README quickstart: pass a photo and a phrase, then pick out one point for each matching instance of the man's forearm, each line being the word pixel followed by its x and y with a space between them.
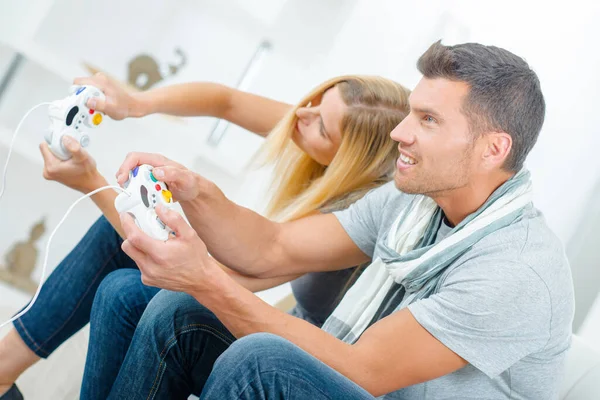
pixel 236 236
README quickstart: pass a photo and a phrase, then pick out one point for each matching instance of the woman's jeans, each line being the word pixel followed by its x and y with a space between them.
pixel 151 344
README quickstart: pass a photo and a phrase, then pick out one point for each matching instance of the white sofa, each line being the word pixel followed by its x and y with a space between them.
pixel 582 378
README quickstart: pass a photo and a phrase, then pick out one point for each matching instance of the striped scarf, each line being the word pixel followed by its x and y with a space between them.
pixel 409 255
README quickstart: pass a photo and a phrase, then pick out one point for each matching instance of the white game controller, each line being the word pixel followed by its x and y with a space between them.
pixel 71 116
pixel 144 193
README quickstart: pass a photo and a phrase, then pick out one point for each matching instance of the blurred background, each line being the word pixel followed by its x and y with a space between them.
pixel 280 49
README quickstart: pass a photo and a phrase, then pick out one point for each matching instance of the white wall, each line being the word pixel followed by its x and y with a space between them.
pixel 559 41
pixel 386 37
pixel 313 41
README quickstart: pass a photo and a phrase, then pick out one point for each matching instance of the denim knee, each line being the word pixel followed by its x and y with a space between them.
pixel 104 235
pixel 170 314
pixel 255 349
pixel 116 295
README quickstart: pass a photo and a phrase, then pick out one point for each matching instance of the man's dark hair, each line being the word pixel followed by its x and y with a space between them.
pixel 504 96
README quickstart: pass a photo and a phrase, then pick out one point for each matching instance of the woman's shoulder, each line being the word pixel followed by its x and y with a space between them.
pixel 382 190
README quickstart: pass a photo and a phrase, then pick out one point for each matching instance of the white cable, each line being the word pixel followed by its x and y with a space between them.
pixel 12 142
pixel 48 248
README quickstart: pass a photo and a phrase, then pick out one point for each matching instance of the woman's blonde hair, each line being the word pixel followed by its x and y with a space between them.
pixel 365 159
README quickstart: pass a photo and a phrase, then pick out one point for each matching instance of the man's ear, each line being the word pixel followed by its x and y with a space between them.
pixel 497 148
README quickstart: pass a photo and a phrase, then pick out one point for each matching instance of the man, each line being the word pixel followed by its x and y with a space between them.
pixel 469 294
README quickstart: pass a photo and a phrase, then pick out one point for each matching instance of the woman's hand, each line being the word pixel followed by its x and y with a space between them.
pixel 181 264
pixel 183 183
pixel 79 172
pixel 119 104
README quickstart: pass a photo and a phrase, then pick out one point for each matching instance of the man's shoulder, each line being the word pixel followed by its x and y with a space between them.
pixel 529 241
pixel 524 254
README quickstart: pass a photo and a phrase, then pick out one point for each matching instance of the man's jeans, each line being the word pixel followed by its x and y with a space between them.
pixel 265 366
pixel 180 347
pixel 152 344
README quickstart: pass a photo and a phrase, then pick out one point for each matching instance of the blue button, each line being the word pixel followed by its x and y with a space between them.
pixel 81 89
pixel 135 171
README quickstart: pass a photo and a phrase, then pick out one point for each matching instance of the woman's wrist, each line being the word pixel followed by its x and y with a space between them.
pixel 95 182
pixel 141 105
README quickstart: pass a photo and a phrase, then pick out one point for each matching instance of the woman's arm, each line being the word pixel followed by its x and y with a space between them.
pixel 105 200
pixel 252 112
pixel 80 173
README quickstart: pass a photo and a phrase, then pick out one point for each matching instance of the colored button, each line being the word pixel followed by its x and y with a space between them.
pixel 97 119
pixel 92 111
pixel 135 171
pixel 167 196
pixel 157 187
pixel 153 178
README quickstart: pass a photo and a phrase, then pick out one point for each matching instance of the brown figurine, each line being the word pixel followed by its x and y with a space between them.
pixel 144 71
pixel 21 261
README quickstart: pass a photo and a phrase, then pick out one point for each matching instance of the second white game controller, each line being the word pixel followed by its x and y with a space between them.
pixel 71 116
pixel 144 193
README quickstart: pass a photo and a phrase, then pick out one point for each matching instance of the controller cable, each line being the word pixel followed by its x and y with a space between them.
pixel 45 265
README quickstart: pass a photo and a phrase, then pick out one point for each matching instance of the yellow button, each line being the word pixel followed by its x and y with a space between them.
pixel 97 119
pixel 167 196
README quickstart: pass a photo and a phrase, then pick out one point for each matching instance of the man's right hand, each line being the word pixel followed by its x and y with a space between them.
pixel 119 104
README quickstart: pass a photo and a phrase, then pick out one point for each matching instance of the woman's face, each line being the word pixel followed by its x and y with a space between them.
pixel 317 131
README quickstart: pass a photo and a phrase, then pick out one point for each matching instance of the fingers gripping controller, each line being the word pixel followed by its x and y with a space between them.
pixel 144 193
pixel 72 117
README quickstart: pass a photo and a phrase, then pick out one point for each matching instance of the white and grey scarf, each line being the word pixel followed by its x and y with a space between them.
pixel 409 256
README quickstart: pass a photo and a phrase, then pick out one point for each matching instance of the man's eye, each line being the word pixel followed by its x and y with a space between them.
pixel 429 119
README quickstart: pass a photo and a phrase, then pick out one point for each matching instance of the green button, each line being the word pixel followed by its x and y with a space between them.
pixel 153 178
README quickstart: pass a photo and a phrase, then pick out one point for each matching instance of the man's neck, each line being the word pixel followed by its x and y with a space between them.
pixel 458 204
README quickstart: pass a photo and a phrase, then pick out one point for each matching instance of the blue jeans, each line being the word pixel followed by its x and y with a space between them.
pixel 179 347
pixel 266 366
pixel 65 301
pixel 64 305
pixel 151 344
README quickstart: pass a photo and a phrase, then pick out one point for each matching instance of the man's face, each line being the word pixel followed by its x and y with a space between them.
pixel 436 148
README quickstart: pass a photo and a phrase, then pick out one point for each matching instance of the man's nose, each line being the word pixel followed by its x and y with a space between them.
pixel 403 133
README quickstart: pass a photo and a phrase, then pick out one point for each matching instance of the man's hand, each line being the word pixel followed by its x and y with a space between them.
pixel 181 264
pixel 183 183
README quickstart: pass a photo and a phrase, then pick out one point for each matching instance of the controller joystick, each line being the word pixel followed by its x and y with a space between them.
pixel 72 117
pixel 144 193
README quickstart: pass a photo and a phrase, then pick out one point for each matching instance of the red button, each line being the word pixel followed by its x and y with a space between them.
pixel 91 111
pixel 157 187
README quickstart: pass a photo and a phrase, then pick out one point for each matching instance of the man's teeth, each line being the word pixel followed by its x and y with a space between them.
pixel 407 160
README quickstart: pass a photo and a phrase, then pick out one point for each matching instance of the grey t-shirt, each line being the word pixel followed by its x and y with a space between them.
pixel 505 306
pixel 317 294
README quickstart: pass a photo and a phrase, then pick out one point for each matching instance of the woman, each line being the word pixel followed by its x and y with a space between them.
pixel 339 149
